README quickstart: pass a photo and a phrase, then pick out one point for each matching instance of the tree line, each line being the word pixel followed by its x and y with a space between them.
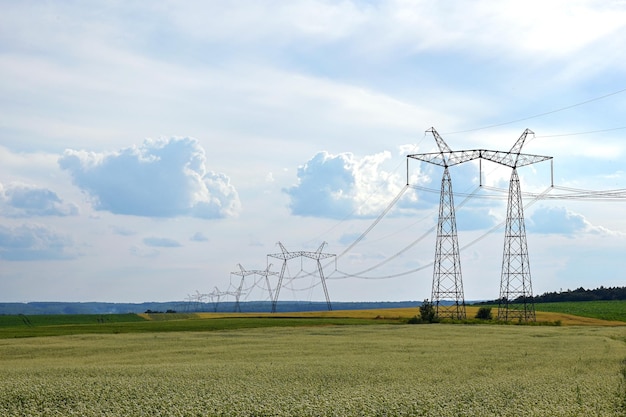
pixel 581 294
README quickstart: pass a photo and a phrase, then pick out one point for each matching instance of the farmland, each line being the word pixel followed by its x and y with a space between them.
pixel 605 310
pixel 334 368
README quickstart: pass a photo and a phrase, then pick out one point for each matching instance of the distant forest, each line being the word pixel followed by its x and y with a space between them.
pixel 581 294
pixel 35 308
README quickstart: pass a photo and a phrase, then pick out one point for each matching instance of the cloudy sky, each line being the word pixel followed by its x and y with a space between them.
pixel 148 148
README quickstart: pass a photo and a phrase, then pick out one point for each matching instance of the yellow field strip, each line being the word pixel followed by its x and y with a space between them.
pixel 406 313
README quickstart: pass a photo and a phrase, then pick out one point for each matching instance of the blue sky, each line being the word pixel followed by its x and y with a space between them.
pixel 149 148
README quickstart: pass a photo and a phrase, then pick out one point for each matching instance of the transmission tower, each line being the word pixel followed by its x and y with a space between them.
pixel 285 255
pixel 243 273
pixel 515 285
pixel 447 289
pixel 215 297
pixel 195 301
pixel 516 292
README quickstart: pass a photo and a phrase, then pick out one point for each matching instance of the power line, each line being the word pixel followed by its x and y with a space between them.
pixel 378 219
pixel 539 114
pixel 430 264
pixel 581 133
pixel 572 194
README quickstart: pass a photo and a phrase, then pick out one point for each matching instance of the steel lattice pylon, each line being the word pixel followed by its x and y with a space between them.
pixel 285 255
pixel 447 281
pixel 515 286
pixel 516 292
pixel 243 274
pixel 447 290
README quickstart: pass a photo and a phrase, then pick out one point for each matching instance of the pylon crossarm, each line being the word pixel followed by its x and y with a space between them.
pixel 315 255
pixel 447 159
pixel 432 158
pixel 284 256
pixel 512 159
pixel 262 273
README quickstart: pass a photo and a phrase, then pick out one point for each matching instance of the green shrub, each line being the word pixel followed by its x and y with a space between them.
pixel 427 312
pixel 484 313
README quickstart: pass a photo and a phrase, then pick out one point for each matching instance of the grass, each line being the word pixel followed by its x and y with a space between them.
pixel 165 323
pixel 605 310
pixel 385 370
pixel 60 325
pixel 67 319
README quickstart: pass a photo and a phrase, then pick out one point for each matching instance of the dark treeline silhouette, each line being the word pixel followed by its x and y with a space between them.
pixel 581 294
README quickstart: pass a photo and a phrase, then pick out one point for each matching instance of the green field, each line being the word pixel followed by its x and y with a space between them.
pixel 380 370
pixel 59 325
pixel 66 319
pixel 605 310
pixel 64 325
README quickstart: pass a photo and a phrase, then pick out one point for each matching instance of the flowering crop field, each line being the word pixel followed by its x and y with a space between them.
pixel 380 370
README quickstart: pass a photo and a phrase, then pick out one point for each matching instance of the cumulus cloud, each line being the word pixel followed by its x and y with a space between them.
pixel 160 178
pixel 19 200
pixel 558 220
pixel 33 242
pixel 337 186
pixel 475 218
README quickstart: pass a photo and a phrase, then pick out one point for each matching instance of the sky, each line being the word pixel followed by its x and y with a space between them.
pixel 150 149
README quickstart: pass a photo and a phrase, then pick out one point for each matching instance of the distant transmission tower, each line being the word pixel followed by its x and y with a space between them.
pixel 195 301
pixel 215 297
pixel 243 273
pixel 285 255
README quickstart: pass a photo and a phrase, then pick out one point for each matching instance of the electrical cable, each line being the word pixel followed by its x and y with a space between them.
pixel 579 133
pixel 493 229
pixel 378 219
pixel 539 114
pixel 348 216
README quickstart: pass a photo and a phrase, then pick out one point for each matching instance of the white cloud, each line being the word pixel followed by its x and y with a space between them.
pixel 560 220
pixel 33 242
pixel 339 186
pixel 266 85
pixel 164 178
pixel 20 200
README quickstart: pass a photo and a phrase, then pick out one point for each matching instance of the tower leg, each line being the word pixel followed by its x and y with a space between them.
pixel 238 294
pixel 321 272
pixel 280 282
pixel 516 293
pixel 447 290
